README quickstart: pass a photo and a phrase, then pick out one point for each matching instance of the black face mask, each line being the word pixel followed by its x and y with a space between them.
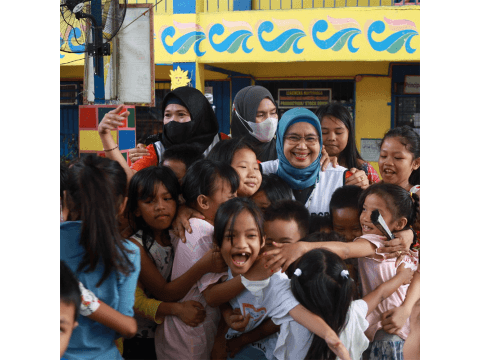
pixel 178 133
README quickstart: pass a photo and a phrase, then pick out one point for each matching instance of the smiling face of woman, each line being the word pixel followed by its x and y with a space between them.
pixel 301 144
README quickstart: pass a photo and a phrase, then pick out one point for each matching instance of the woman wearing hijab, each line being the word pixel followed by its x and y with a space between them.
pixel 298 145
pixel 188 119
pixel 255 118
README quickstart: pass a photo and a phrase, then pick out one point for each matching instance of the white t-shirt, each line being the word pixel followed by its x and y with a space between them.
pixel 327 182
pixel 294 340
pixel 276 302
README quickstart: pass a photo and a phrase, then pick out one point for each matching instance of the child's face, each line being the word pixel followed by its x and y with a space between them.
pixel 245 164
pixel 334 134
pixel 159 210
pixel 375 202
pixel 396 163
pixel 261 199
pixel 67 324
pixel 177 166
pixel 280 231
pixel 346 222
pixel 223 192
pixel 241 247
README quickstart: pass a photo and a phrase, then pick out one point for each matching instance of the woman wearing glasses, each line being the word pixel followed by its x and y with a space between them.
pixel 299 144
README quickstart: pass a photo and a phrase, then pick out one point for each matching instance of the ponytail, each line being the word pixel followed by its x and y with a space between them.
pixel 95 190
pixel 319 286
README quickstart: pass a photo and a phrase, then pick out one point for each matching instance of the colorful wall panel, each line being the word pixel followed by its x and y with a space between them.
pixel 88 139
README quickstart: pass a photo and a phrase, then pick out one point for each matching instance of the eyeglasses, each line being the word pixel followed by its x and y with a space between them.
pixel 309 139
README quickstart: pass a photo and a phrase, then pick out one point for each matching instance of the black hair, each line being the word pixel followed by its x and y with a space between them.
pixel 345 197
pixel 230 210
pixel 350 154
pixel 275 188
pixel 319 222
pixel 186 153
pixel 69 288
pixel 399 201
pixel 411 140
pixel 325 292
pixel 63 178
pixel 289 210
pixel 142 186
pixel 225 150
pixel 96 188
pixel 200 179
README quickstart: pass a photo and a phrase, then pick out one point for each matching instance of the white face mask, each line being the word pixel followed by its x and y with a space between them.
pixel 264 131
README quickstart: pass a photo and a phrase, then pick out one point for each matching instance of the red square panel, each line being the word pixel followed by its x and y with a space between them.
pixel 87 117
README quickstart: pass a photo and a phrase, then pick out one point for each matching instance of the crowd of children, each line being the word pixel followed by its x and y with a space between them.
pixel 206 252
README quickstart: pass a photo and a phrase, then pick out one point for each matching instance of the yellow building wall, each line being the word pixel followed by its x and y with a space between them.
pixel 372 114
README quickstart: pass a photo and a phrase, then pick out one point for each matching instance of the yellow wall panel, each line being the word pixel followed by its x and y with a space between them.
pixel 90 140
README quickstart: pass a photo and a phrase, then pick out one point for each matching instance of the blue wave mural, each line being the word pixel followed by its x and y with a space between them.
pixel 184 42
pixel 61 43
pixel 282 42
pixel 337 41
pixel 394 42
pixel 232 43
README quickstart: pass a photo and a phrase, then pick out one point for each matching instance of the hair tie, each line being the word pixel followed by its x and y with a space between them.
pixel 298 272
pixel 411 195
pixel 344 274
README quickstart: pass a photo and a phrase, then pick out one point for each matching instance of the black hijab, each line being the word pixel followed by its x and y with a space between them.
pixel 203 126
pixel 246 103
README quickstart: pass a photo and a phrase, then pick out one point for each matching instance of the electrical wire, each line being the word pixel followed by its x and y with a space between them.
pixel 71 61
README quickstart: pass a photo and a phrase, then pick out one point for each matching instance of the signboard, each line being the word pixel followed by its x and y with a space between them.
pixel 307 98
pixel 411 84
pixel 370 149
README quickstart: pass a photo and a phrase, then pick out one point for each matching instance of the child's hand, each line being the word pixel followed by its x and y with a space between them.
pixel 259 271
pixel 235 345
pixel 403 240
pixel 235 320
pixel 138 152
pixel 180 223
pixel 192 313
pixel 112 120
pixel 326 159
pixel 285 255
pixel 215 262
pixel 358 178
pixel 405 273
pixel 394 319
pixel 337 346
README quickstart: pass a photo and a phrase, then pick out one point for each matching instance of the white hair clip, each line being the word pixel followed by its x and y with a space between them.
pixel 298 272
pixel 344 274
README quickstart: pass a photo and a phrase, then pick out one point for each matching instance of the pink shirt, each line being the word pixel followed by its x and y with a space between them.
pixel 174 339
pixel 374 271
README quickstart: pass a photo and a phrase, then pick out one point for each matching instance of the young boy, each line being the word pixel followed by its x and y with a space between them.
pixel 180 157
pixel 286 222
pixel 70 300
pixel 320 223
pixel 345 212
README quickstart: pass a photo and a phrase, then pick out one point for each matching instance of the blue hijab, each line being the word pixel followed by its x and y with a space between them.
pixel 298 179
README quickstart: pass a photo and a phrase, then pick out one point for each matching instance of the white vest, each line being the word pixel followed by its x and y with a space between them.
pixel 327 182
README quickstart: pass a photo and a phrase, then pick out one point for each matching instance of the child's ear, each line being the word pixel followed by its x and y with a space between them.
pixel 400 223
pixel 416 163
pixel 203 202
pixel 262 243
pixel 122 206
pixel 75 324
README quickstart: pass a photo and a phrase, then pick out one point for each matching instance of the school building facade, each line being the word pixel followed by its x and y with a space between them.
pixel 364 54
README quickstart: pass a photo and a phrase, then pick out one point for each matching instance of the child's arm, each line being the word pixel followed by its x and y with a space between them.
pixel 318 326
pixel 111 121
pixel 122 324
pixel 190 312
pixel 266 328
pixel 222 292
pixel 394 319
pixel 403 277
pixel 403 240
pixel 286 254
pixel 181 224
pixel 175 290
pixel 219 350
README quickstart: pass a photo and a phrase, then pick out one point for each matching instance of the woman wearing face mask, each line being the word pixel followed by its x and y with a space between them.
pixel 255 118
pixel 188 119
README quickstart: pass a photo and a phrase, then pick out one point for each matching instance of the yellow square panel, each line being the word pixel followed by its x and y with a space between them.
pixel 90 140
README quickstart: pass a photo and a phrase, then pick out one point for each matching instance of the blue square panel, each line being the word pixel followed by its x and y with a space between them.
pixel 126 139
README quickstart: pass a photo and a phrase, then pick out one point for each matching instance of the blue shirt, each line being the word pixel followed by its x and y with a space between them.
pixel 90 339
